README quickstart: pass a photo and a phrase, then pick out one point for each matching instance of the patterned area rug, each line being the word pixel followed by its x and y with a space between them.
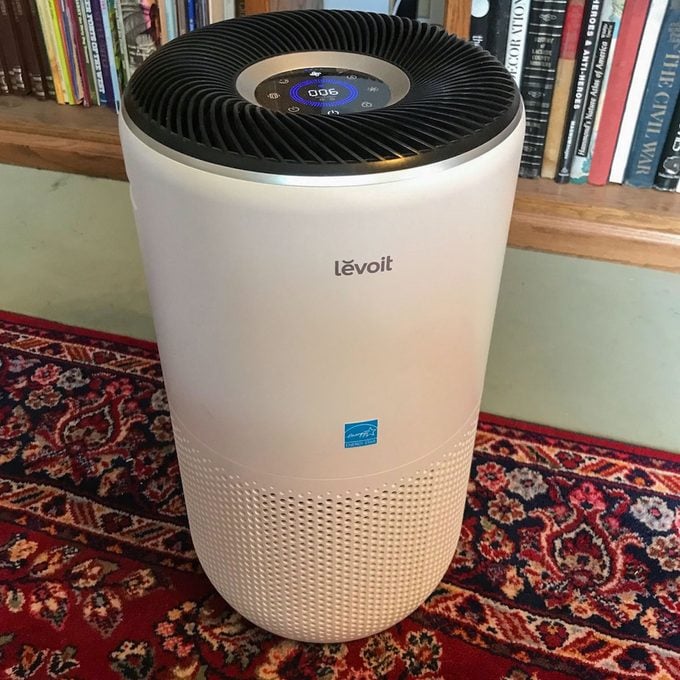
pixel 568 564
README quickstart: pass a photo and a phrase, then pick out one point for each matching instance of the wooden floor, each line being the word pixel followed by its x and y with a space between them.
pixel 615 223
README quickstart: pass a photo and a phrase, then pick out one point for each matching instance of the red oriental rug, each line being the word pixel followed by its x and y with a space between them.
pixel 568 564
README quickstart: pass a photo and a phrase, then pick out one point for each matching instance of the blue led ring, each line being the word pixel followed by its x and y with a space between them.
pixel 320 82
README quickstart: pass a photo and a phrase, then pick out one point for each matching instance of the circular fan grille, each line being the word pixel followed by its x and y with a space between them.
pixel 185 96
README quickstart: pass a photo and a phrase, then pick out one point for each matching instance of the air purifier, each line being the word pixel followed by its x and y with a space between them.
pixel 322 200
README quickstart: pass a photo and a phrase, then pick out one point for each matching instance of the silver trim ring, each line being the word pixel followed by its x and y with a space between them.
pixel 392 174
pixel 397 81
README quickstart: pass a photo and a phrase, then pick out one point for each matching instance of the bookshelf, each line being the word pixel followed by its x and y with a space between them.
pixel 613 223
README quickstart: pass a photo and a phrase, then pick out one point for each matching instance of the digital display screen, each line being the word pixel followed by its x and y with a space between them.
pixel 322 91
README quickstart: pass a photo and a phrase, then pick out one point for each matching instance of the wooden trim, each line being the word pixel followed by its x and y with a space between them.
pixel 457 17
pixel 256 6
pixel 615 223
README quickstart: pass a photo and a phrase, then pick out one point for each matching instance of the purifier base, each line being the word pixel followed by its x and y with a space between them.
pixel 322 565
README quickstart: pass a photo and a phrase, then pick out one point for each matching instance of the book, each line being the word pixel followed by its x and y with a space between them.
pixel 168 20
pixel 99 20
pixel 668 172
pixel 15 72
pixel 70 29
pixel 658 103
pixel 41 48
pixel 606 41
pixel 546 19
pixel 622 65
pixel 112 53
pixel 97 66
pixel 584 61
pixel 28 51
pixel 116 10
pixel 479 22
pixel 141 19
pixel 190 6
pixel 181 17
pixel 48 31
pixel 4 80
pixel 61 55
pixel 564 78
pixel 517 35
pixel 499 23
pixel 638 82
pixel 85 55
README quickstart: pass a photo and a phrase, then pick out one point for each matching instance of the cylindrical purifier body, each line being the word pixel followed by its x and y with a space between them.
pixel 324 339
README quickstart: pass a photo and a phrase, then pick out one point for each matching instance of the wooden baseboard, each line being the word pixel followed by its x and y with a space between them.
pixel 614 223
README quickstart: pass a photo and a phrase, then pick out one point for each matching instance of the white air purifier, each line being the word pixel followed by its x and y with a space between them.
pixel 323 199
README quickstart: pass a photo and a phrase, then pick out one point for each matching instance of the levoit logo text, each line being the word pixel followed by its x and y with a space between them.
pixel 352 268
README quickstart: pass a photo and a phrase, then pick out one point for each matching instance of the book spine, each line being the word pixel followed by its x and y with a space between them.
pixel 89 70
pixel 142 38
pixel 41 51
pixel 98 88
pixel 499 23
pixel 27 48
pixel 546 20
pixel 181 17
pixel 78 53
pixel 191 14
pixel 121 39
pixel 579 89
pixel 668 172
pixel 215 11
pixel 606 40
pixel 479 22
pixel 170 21
pixel 658 103
pixel 638 83
pixel 111 55
pixel 62 59
pixel 106 96
pixel 564 78
pixel 71 54
pixel 48 33
pixel 4 80
pixel 517 35
pixel 622 65
pixel 10 48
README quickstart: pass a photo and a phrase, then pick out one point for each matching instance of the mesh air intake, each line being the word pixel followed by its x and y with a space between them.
pixel 185 97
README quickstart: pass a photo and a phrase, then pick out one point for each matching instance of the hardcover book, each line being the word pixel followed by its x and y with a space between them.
pixel 517 35
pixel 15 72
pixel 499 23
pixel 141 19
pixel 564 77
pixel 638 83
pixel 661 94
pixel 28 50
pixel 622 64
pixel 41 48
pixel 546 20
pixel 479 22
pixel 668 171
pixel 585 58
pixel 606 42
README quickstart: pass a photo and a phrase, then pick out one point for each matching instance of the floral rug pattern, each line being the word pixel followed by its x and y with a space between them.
pixel 568 565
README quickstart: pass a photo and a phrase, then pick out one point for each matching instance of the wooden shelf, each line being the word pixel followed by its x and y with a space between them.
pixel 615 223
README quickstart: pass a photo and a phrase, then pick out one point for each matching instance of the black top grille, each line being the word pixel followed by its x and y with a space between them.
pixel 184 96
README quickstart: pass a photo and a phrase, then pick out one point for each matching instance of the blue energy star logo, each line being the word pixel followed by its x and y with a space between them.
pixel 361 434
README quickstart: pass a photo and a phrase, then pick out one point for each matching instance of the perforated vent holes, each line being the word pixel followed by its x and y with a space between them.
pixel 330 567
pixel 185 97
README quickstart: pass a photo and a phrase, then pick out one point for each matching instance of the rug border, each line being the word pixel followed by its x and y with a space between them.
pixel 46 324
pixel 577 437
pixel 504 421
